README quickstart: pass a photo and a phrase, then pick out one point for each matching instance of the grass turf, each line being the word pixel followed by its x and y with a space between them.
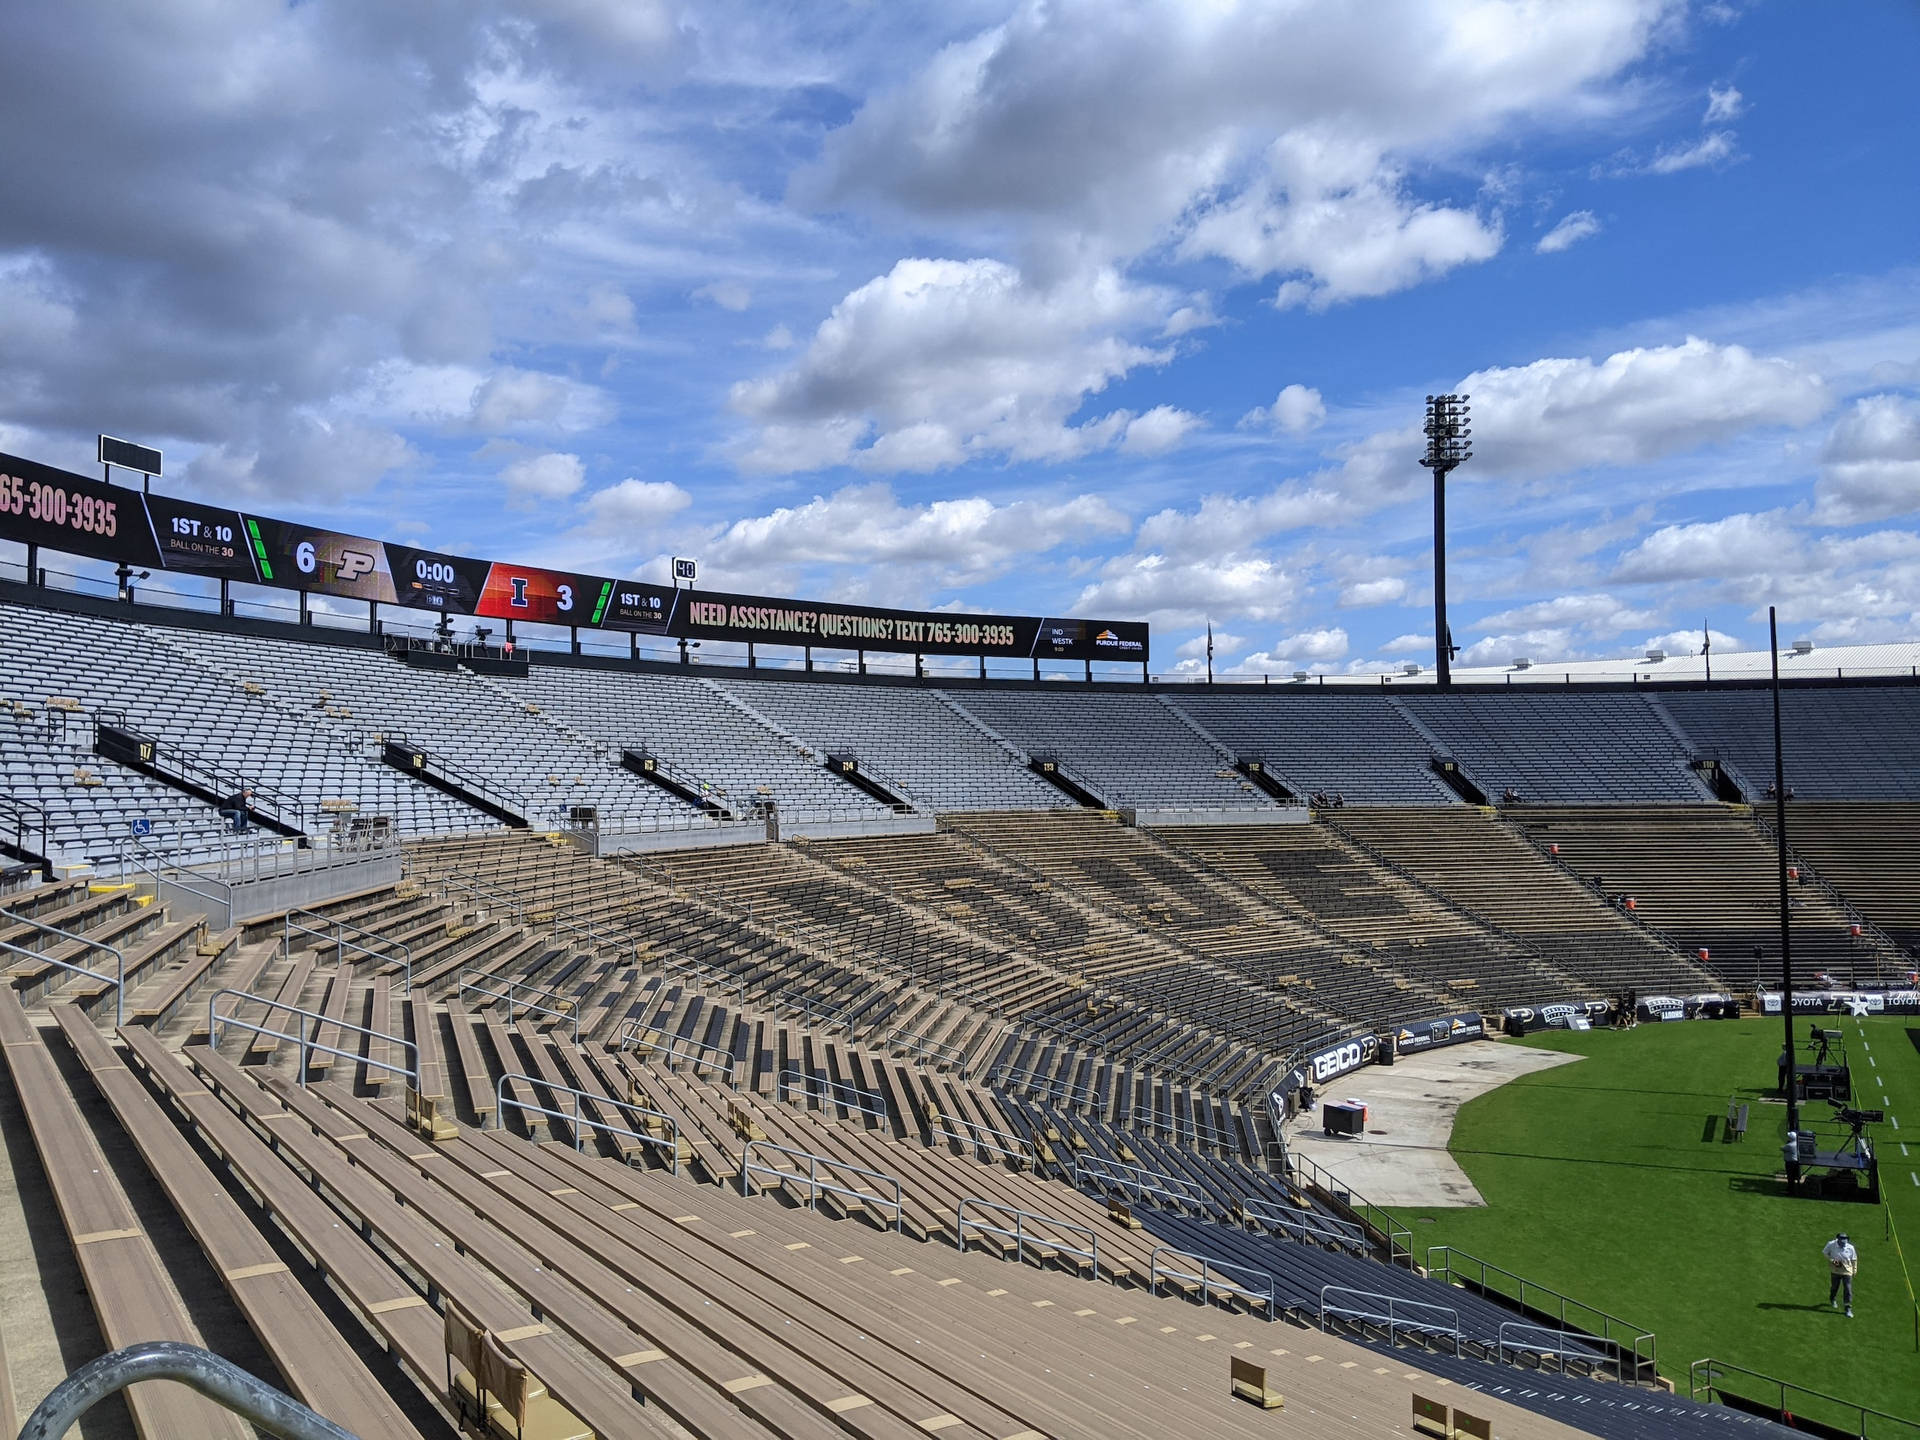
pixel 1610 1180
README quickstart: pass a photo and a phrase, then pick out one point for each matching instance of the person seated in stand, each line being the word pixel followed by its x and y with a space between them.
pixel 1339 800
pixel 1771 792
pixel 236 807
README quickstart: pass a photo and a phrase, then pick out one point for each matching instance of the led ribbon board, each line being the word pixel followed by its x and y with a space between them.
pixel 58 510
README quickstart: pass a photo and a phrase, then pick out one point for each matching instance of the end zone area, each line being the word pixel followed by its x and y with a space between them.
pixel 1614 1181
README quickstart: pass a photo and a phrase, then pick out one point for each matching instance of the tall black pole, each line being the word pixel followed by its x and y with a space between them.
pixel 1786 924
pixel 1442 641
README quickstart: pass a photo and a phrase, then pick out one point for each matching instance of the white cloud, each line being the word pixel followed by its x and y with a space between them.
pixel 635 505
pixel 1223 644
pixel 1383 590
pixel 1724 103
pixel 954 541
pixel 1745 544
pixel 955 358
pixel 1687 642
pixel 1580 225
pixel 727 294
pixel 1870 468
pixel 1558 415
pixel 1713 149
pixel 1100 133
pixel 778 338
pixel 1327 642
pixel 1295 410
pixel 1407 645
pixel 1338 224
pixel 1181 592
pixel 543 477
pixel 1600 615
pixel 1544 643
pixel 1159 430
pixel 511 399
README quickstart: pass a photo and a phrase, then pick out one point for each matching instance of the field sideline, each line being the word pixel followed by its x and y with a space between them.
pixel 1611 1180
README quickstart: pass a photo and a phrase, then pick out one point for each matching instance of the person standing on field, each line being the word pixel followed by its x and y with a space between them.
pixel 1843 1262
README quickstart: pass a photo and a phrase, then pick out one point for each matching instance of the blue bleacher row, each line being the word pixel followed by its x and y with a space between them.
pixel 305 715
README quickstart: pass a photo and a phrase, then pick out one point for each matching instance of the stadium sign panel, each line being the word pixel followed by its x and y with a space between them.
pixel 1431 1034
pixel 58 510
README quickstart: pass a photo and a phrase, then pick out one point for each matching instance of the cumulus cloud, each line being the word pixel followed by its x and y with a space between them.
pixel 635 505
pixel 1543 643
pixel 1401 645
pixel 1327 642
pixel 1295 410
pixel 1580 225
pixel 958 541
pixel 1870 468
pixel 1159 430
pixel 1337 224
pixel 1296 124
pixel 1172 591
pixel 939 361
pixel 1382 590
pixel 1598 614
pixel 1223 644
pixel 1558 415
pixel 1687 642
pixel 511 399
pixel 543 478
pixel 1735 545
pixel 1724 103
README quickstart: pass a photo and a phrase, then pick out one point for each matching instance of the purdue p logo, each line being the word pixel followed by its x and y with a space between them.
pixel 354 564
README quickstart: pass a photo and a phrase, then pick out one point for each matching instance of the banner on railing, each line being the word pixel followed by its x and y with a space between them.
pixel 1846 1002
pixel 1431 1034
pixel 58 510
pixel 1559 1015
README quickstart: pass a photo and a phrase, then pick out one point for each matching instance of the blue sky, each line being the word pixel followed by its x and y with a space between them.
pixel 1124 310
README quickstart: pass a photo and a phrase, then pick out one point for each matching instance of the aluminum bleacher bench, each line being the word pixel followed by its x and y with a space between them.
pixel 132 1297
pixel 320 1368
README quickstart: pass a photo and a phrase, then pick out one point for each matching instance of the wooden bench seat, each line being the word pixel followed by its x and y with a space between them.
pixel 132 1297
pixel 320 1369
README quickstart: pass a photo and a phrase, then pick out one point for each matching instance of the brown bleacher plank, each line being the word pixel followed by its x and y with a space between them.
pixel 473 1067
pixel 320 1369
pixel 132 1297
pixel 591 1390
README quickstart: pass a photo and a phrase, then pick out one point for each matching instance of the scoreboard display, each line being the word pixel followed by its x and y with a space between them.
pixel 202 539
pixel 58 510
pixel 428 580
pixel 322 561
pixel 550 597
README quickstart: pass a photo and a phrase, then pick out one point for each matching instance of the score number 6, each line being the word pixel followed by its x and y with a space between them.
pixel 304 557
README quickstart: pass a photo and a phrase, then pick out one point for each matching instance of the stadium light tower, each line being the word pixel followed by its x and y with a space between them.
pixel 1448 446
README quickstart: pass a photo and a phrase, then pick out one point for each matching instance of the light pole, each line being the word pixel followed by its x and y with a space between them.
pixel 1447 447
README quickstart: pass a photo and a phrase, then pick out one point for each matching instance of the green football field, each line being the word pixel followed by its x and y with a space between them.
pixel 1610 1179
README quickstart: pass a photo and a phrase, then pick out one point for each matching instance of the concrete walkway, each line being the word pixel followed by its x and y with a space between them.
pixel 1402 1160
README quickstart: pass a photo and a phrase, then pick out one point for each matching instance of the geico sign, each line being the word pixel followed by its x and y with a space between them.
pixel 1342 1058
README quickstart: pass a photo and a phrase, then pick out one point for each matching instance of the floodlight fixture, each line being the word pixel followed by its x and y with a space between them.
pixel 1449 445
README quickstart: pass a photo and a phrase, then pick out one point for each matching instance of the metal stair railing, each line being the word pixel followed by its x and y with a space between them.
pixel 1208 1281
pixel 305 1038
pixel 1706 1380
pixel 816 1185
pixel 337 930
pixel 1399 1316
pixel 1021 1236
pixel 220 1380
pixel 582 1122
pixel 118 980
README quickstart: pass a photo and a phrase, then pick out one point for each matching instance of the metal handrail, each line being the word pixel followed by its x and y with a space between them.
pixel 676 1048
pixel 832 1092
pixel 156 864
pixel 1395 1237
pixel 118 981
pixel 1205 1280
pixel 511 903
pixel 1705 1375
pixel 1563 1344
pixel 305 1039
pixel 817 1186
pixel 475 987
pixel 341 944
pixel 1138 1181
pixel 502 1100
pixel 1034 1083
pixel 1391 1316
pixel 23 818
pixel 1204 1131
pixel 1289 1219
pixel 982 1137
pixel 1021 1239
pixel 920 1045
pixel 220 1380
pixel 1443 1264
